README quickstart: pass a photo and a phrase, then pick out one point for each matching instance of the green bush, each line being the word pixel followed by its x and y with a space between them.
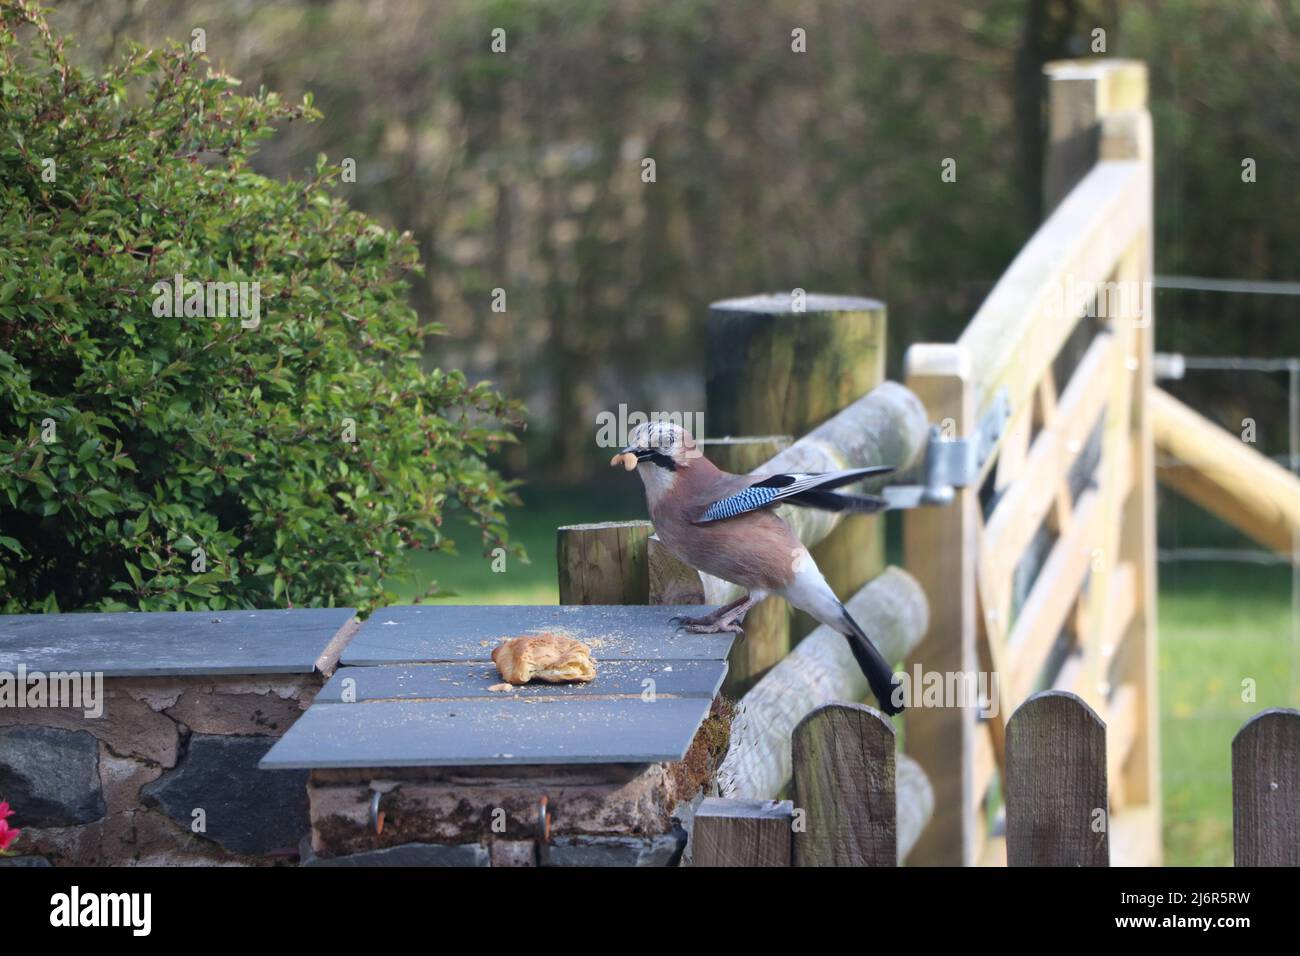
pixel 205 461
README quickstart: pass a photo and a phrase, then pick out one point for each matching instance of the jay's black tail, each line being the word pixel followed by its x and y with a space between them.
pixel 884 683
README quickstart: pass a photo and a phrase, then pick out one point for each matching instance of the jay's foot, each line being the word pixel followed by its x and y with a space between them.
pixel 687 621
pixel 725 620
pixel 700 626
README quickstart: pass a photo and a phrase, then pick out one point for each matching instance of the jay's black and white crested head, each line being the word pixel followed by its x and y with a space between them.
pixel 661 452
pixel 660 444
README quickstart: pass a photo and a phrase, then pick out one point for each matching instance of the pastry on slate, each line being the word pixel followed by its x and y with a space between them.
pixel 546 657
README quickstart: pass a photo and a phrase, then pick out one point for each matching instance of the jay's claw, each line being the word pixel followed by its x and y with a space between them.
pixel 713 627
pixel 687 621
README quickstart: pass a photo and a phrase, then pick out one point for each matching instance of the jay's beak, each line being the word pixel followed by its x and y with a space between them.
pixel 630 457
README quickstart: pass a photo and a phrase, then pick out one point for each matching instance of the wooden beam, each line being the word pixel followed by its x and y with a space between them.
pixel 603 563
pixel 742 455
pixel 1223 474
pixel 1051 598
pixel 940 547
pixel 742 833
pixel 1021 510
pixel 782 364
pixel 1123 726
pixel 1021 326
pixel 1081 93
pixel 1123 603
pixel 986 762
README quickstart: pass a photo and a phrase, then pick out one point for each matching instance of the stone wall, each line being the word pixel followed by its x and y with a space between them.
pixel 599 814
pixel 167 775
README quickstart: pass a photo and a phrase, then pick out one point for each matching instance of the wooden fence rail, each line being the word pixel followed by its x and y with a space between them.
pixel 1224 475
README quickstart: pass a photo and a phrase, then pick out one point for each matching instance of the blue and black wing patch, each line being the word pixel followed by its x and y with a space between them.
pixel 809 491
pixel 753 498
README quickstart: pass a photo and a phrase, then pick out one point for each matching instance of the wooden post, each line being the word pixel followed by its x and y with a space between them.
pixel 783 364
pixel 844 783
pixel 740 456
pixel 1080 93
pixel 603 563
pixel 742 833
pixel 671 581
pixel 1057 814
pixel 1098 112
pixel 939 546
pixel 1266 790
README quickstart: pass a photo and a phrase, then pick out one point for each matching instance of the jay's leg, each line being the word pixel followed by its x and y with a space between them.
pixel 728 618
pixel 711 618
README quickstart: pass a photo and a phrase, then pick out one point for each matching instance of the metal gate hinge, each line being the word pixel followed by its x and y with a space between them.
pixel 952 463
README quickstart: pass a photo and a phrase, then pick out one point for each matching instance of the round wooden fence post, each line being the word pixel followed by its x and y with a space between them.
pixel 781 365
pixel 603 563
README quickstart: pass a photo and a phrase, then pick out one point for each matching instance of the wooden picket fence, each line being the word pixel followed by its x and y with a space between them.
pixel 1057 789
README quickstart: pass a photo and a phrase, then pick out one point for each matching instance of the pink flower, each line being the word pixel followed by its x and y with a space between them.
pixel 7 836
pixel 4 810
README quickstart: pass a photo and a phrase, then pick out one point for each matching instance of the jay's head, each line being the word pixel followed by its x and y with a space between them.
pixel 658 450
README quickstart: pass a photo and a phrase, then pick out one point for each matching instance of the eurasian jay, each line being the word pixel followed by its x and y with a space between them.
pixel 725 525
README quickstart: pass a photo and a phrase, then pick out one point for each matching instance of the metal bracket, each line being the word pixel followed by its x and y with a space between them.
pixel 543 843
pixel 377 790
pixel 952 463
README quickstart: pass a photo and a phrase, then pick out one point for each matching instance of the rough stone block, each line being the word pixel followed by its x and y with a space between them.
pixel 128 726
pixel 51 776
pixel 208 711
pixel 247 810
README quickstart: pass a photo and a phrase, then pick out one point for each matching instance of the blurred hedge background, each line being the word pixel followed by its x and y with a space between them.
pixel 775 170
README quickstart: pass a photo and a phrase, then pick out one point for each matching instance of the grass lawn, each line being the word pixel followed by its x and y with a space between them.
pixel 470 575
pixel 1220 624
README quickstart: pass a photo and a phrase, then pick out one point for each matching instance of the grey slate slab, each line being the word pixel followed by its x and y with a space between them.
pixel 465 679
pixel 408 854
pixel 404 733
pixel 171 643
pixel 662 850
pixel 424 633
